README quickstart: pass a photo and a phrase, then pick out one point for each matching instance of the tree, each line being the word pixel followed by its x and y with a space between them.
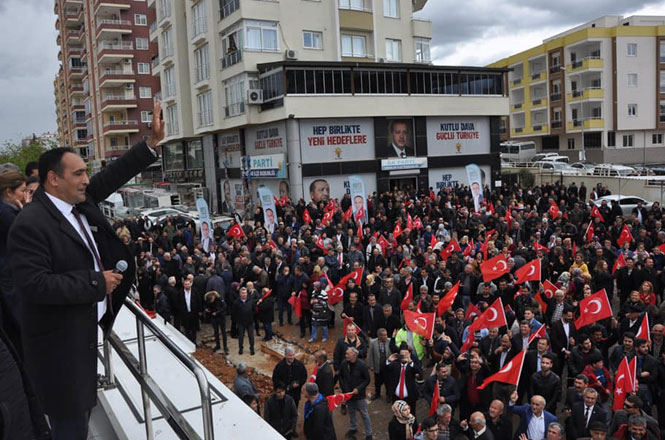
pixel 22 153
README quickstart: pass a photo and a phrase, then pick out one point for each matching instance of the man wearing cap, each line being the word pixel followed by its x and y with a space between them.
pixel 597 431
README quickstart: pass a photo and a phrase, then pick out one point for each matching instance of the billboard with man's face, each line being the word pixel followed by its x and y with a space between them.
pixel 324 188
pixel 399 142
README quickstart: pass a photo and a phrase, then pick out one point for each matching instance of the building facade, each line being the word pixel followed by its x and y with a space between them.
pixel 597 88
pixel 104 90
pixel 284 93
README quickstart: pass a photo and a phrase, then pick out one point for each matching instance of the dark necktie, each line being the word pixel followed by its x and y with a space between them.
pixel 93 249
pixel 586 416
pixel 402 154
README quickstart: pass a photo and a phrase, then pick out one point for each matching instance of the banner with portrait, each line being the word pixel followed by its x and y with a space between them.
pixel 204 223
pixel 399 142
pixel 269 211
pixel 475 176
pixel 323 188
pixel 358 198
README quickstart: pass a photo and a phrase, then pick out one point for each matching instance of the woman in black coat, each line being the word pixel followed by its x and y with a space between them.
pixel 403 424
pixel 603 279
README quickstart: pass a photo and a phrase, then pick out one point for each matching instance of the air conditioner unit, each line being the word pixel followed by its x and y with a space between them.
pixel 254 96
pixel 129 86
pixel 291 54
pixel 149 124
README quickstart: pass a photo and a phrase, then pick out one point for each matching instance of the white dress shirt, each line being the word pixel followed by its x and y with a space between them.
pixel 536 428
pixel 66 211
pixel 188 300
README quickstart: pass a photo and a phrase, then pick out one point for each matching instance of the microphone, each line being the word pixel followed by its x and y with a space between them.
pixel 120 266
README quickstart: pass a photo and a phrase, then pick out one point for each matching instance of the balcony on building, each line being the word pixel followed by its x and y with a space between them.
pixel 538 93
pixel 538 68
pixel 164 12
pixel 356 14
pixel 106 7
pixel 72 3
pixel 539 121
pixel 517 124
pixel 121 126
pixel 114 75
pixel 517 100
pixel 117 99
pixel 585 115
pixel 584 56
pixel 228 7
pixel 154 35
pixel 231 58
pixel 199 29
pixel 585 86
pixel 515 78
pixel 111 27
pixel 556 124
pixel 108 51
pixel 73 36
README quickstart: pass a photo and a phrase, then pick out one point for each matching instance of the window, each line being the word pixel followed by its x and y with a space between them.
pixel 312 40
pixel 143 68
pixel 199 23
pixel 555 61
pixel 202 64
pixel 393 50
pixel 145 92
pixel 142 44
pixel 353 46
pixel 422 50
pixel 662 51
pixel 167 43
pixel 611 139
pixel 261 35
pixel 657 138
pixel 174 156
pixel 231 47
pixel 169 82
pixel 205 109
pixel 632 49
pixel 194 155
pixel 140 20
pixel 662 82
pixel 628 140
pixel 632 109
pixel 352 4
pixel 164 9
pixel 632 80
pixel 172 120
pixel 556 115
pixel 571 143
pixel 145 116
pixel 661 113
pixel 234 92
pixel 391 8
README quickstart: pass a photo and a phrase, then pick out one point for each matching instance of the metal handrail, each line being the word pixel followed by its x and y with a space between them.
pixel 150 390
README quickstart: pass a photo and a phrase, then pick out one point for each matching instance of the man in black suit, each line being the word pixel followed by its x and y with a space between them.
pixel 63 252
pixel 190 309
pixel 400 377
pixel 399 140
pixel 371 314
pixel 584 413
pixel 325 378
pixel 563 336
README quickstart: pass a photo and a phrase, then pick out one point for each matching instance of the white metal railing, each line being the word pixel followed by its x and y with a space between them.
pixel 205 118
pixel 105 45
pixel 118 147
pixel 125 97
pixel 199 26
pixel 113 22
pixel 235 109
pixel 117 72
pixel 120 123
pixel 202 72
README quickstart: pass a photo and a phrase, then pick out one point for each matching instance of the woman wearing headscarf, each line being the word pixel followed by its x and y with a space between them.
pixel 402 426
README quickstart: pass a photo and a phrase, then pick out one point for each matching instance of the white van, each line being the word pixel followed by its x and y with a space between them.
pixel 518 151
pixel 613 170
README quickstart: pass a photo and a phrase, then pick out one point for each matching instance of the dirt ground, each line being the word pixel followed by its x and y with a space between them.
pixel 263 363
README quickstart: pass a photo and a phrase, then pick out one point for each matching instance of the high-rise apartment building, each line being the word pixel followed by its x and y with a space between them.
pixel 597 88
pixel 104 90
pixel 296 94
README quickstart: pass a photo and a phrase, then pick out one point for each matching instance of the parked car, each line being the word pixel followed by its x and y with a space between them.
pixel 542 156
pixel 627 203
pixel 609 170
pixel 556 167
pixel 584 167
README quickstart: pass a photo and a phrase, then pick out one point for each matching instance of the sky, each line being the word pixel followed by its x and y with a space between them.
pixel 465 32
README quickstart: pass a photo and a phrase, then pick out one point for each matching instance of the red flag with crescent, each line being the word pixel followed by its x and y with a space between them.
pixel 319 243
pixel 409 222
pixel 510 373
pixel 619 263
pixel 468 248
pixel 236 231
pixel 434 404
pixel 360 214
pixel 625 236
pixel 595 213
pixel 549 289
pixel 590 231
pixel 554 210
pixel 593 308
pixel 360 231
pixel 383 243
pixel 447 301
pixel 420 323
pixel 330 206
pixel 398 230
pixel 493 316
pixel 471 310
pixel 624 384
pixel 418 223
pixel 306 217
pixel 297 306
pixel 529 272
pixel 644 331
pixel 433 241
pixel 407 298
pixel 327 217
pixel 336 400
pixel 494 268
pixel 468 342
pixel 543 304
pixel 348 214
pixel 540 333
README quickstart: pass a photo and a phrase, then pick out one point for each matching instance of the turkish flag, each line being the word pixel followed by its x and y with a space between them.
pixel 420 323
pixel 409 222
pixel 619 263
pixel 383 243
pixel 554 210
pixel 644 331
pixel 435 400
pixel 623 384
pixel 595 213
pixel 348 214
pixel 315 371
pixel 360 231
pixel 494 268
pixel 589 232
pixel 483 248
pixel 632 367
pixel 625 236
pixel 433 241
pixel 453 246
pixel 593 308
pixel 360 214
pixel 510 373
pixel 319 243
pixel 509 217
pixel 327 217
pixel 431 194
pixel 471 310
pixel 661 248
pixel 540 333
pixel 408 297
pixel 541 301
pixel 336 294
pixel 418 223
pixel 468 248
pixel 336 400
pixel 447 301
pixel 539 247
pixel 468 342
pixel 574 249
pixel 418 306
pixel 306 217
pixel 398 230
pixel 493 316
pixel 490 208
pixel 330 206
pixel 549 289
pixel 297 306
pixel 236 231
pixel 529 272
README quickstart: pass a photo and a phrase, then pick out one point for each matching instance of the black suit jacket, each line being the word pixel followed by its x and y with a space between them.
pixel 189 319
pixel 55 275
pixel 392 373
pixel 558 336
pixel 577 425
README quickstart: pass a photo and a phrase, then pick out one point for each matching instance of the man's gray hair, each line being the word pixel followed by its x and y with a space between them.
pixel 312 389
pixel 636 420
pixel 289 350
pixel 480 420
pixel 590 391
pixel 558 426
pixel 353 350
pixel 444 409
pixel 241 368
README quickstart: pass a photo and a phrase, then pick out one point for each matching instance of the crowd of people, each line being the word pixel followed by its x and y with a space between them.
pixel 318 270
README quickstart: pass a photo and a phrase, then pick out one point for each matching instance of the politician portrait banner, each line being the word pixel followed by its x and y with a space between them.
pixel 358 198
pixel 204 223
pixel 269 212
pixel 475 176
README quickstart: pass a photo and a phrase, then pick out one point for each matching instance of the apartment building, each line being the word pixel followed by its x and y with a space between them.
pixel 597 88
pixel 284 92
pixel 104 89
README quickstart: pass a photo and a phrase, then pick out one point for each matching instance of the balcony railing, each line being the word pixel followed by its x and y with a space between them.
pixel 536 76
pixel 105 45
pixel 557 124
pixel 125 97
pixel 228 7
pixel 117 72
pixel 111 22
pixel 155 62
pixel 555 96
pixel 517 81
pixel 120 123
pixel 234 109
pixel 205 118
pixel 117 147
pixel 231 58
pixel 199 26
pixel 555 69
pixel 153 27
